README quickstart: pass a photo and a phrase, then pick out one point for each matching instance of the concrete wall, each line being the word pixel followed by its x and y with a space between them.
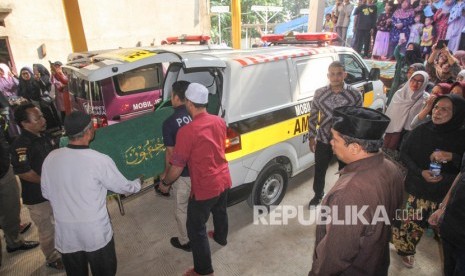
pixel 107 24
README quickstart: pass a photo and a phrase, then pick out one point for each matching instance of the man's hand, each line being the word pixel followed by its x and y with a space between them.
pixel 435 218
pixel 429 177
pixel 312 144
pixel 441 156
pixel 163 188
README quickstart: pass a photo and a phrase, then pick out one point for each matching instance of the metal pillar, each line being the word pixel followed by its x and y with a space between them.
pixel 236 23
pixel 75 28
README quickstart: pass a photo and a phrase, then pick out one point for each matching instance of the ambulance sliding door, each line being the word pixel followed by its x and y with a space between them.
pixel 311 75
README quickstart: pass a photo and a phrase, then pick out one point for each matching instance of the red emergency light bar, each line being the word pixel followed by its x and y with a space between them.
pixel 300 38
pixel 316 36
pixel 187 38
pixel 272 37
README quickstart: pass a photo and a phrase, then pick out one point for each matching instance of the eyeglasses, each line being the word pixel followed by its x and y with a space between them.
pixel 419 81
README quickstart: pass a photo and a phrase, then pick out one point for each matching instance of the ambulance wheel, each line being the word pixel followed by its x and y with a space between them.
pixel 270 186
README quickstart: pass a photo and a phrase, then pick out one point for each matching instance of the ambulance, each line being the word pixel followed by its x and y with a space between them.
pixel 264 96
pixel 128 94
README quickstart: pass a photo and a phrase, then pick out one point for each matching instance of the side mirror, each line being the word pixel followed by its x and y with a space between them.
pixel 374 74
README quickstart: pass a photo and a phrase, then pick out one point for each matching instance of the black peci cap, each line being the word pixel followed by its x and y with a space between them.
pixel 76 122
pixel 360 122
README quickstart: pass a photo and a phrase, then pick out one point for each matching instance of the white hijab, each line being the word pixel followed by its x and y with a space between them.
pixel 406 104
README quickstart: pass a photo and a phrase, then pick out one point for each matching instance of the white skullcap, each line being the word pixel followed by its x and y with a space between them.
pixel 197 93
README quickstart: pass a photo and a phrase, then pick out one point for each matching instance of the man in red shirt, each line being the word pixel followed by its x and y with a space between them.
pixel 201 146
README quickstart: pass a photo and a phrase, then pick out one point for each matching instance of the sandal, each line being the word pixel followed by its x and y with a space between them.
pixel 58 264
pixel 408 261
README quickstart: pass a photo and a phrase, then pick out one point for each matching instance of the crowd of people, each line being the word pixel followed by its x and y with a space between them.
pixel 424 124
pixel 381 26
pixel 38 85
pixel 65 189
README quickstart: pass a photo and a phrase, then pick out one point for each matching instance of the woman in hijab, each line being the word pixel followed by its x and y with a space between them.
pixel 440 140
pixel 441 20
pixel 29 87
pixel 33 88
pixel 414 68
pixel 402 19
pixel 405 105
pixel 442 66
pixel 9 89
pixel 42 75
pixel 404 58
pixel 425 113
pixel 8 82
pixel 458 88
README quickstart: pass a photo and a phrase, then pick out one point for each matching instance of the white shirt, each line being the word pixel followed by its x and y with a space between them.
pixel 75 181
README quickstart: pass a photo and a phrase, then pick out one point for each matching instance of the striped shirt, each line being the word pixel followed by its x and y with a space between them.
pixel 323 104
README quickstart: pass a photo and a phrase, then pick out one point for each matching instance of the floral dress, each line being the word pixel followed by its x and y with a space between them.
pixel 406 22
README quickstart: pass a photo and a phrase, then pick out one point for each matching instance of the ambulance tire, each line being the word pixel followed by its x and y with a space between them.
pixel 270 186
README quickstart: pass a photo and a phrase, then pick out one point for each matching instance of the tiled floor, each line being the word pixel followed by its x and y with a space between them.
pixel 143 248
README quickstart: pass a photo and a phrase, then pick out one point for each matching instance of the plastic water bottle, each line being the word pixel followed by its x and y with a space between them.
pixel 435 167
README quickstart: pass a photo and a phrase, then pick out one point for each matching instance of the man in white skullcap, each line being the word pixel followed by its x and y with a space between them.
pixel 201 146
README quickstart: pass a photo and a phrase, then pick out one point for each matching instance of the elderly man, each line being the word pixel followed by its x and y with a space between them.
pixel 369 189
pixel 201 145
pixel 76 179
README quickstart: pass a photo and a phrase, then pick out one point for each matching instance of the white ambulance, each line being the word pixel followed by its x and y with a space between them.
pixel 264 96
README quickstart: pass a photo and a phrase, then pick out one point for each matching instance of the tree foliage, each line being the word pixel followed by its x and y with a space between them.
pixel 291 9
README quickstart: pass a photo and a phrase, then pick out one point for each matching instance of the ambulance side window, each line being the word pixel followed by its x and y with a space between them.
pixel 142 79
pixel 263 87
pixel 354 69
pixel 312 75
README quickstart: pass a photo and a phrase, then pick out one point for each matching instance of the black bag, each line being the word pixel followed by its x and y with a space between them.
pixel 45 99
